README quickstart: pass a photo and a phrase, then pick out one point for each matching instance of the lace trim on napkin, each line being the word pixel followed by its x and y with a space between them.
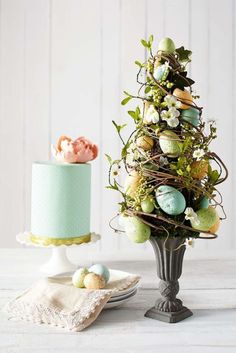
pixel 39 313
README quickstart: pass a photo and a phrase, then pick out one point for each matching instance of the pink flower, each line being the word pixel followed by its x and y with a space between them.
pixel 79 151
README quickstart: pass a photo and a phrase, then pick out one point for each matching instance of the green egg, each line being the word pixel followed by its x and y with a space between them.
pixel 191 116
pixel 166 45
pixel 147 205
pixel 136 230
pixel 170 200
pixel 207 217
pixel 170 143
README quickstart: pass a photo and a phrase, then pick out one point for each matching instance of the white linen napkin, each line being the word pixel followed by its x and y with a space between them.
pixel 55 301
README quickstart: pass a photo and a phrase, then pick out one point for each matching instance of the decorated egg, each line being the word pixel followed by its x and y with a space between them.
pixel 199 169
pixel 147 205
pixel 145 142
pixel 136 230
pixel 170 200
pixel 204 202
pixel 206 219
pixel 78 277
pixel 161 72
pixel 215 227
pixel 184 97
pixel 166 45
pixel 94 281
pixel 170 143
pixel 191 116
pixel 132 182
pixel 101 270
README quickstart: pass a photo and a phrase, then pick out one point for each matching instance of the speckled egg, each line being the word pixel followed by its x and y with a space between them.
pixel 161 72
pixel 170 143
pixel 136 230
pixel 166 45
pixel 191 116
pixel 170 200
pixel 132 182
pixel 101 270
pixel 78 277
pixel 184 97
pixel 94 281
pixel 204 202
pixel 199 169
pixel 145 142
pixel 207 218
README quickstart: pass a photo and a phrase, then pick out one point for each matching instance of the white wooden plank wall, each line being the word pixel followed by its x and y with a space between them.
pixel 63 67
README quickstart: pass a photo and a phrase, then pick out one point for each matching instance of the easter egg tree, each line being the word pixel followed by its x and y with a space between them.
pixel 170 194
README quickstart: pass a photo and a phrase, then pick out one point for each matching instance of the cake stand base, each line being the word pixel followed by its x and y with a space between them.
pixel 58 263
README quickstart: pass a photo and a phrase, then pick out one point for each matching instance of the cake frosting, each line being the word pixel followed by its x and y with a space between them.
pixel 60 197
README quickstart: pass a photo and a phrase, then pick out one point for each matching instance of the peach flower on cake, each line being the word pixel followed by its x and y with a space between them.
pixel 80 150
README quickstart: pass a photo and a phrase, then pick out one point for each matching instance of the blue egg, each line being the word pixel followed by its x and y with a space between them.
pixel 161 72
pixel 170 200
pixel 204 202
pixel 100 270
pixel 191 116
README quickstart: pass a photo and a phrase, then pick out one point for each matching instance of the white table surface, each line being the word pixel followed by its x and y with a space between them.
pixel 208 288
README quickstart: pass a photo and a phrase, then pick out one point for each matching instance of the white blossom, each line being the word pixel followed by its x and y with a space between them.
pixel 171 116
pixel 163 161
pixel 198 154
pixel 191 215
pixel 115 170
pixel 152 116
pixel 172 101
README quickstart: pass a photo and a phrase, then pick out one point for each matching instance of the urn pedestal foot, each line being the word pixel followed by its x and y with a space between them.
pixel 169 257
pixel 169 317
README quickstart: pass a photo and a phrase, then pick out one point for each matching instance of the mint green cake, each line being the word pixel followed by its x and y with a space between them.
pixel 60 207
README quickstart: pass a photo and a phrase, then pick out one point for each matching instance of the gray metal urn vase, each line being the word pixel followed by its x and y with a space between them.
pixel 169 257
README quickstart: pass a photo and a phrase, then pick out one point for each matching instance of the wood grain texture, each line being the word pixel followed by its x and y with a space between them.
pixel 207 287
pixel 64 66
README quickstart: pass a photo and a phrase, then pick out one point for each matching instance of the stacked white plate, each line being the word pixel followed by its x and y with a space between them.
pixel 122 296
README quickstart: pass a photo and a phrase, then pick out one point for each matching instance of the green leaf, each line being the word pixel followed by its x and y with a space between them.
pixel 184 54
pixel 151 39
pixel 145 43
pixel 132 114
pixel 118 127
pixel 125 100
pixel 147 89
pixel 214 176
pixel 109 159
pixel 124 150
pixel 138 63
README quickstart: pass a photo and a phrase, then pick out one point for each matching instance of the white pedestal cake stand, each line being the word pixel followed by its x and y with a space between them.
pixel 59 262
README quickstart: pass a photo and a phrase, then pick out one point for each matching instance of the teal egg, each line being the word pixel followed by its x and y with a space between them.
pixel 100 270
pixel 204 202
pixel 161 73
pixel 191 116
pixel 170 200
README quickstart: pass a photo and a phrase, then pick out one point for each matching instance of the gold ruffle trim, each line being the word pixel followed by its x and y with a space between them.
pixel 60 241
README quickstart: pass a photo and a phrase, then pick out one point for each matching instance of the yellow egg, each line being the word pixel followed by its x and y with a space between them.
pixel 132 182
pixel 94 281
pixel 199 169
pixel 145 142
pixel 184 97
